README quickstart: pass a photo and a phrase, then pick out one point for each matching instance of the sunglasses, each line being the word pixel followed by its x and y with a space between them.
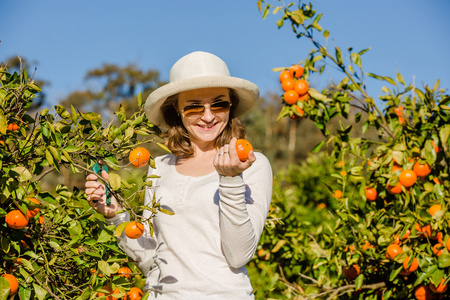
pixel 197 110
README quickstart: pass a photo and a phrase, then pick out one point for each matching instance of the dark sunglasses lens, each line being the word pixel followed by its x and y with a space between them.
pixel 222 106
pixel 193 110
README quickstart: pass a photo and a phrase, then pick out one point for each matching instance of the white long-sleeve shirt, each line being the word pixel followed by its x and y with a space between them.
pixel 200 251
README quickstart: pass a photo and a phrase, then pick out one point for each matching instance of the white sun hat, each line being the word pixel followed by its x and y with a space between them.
pixel 195 71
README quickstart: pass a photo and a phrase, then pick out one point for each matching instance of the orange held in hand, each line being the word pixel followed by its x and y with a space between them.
pixel 134 230
pixel 16 219
pixel 13 283
pixel 139 157
pixel 243 149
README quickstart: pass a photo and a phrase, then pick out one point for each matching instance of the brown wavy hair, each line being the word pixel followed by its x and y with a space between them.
pixel 177 137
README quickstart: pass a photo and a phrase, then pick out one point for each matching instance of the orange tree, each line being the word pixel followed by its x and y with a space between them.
pixel 383 223
pixel 52 242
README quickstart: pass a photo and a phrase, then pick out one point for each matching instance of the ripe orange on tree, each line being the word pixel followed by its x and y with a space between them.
pixel 134 294
pixel 396 167
pixel 423 292
pixel 285 75
pixel 243 148
pixel 134 230
pixel 394 189
pixel 300 111
pixel 338 194
pixel 296 71
pixel 437 249
pixel 351 272
pixel 407 178
pixel 398 110
pixel 436 148
pixel 139 157
pixel 16 219
pixel 301 86
pixel 393 250
pixel 414 265
pixel 13 126
pixel 421 170
pixel 371 193
pixel 434 208
pixel 290 97
pixel 447 244
pixel 304 97
pixel 124 272
pixel 288 84
pixel 13 283
pixel 441 288
pixel 31 213
pixel 109 293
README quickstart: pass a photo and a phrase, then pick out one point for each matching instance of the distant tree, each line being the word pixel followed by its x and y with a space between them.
pixel 118 85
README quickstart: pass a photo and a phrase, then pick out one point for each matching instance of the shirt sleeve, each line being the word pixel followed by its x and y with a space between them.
pixel 244 205
pixel 142 249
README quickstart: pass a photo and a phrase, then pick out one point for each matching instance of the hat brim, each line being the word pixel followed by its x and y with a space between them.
pixel 247 91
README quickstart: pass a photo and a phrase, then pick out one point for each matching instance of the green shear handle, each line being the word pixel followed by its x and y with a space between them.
pixel 97 168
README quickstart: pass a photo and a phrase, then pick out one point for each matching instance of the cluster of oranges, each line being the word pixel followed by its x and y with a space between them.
pixel 406 178
pixel 18 220
pixel 295 88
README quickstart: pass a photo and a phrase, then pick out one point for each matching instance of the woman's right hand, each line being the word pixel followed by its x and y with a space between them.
pixel 96 190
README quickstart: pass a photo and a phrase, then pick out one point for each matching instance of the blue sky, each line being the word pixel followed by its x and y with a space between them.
pixel 68 38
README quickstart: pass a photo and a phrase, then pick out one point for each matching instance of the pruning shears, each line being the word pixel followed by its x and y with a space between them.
pixel 97 168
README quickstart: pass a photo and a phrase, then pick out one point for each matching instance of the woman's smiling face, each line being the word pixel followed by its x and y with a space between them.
pixel 204 128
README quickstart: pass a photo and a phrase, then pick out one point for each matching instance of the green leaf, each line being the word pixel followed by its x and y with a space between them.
pixel 326 33
pixel 40 292
pixel 62 112
pixel 74 114
pixel 4 288
pixel 104 237
pixel 278 246
pixel 3 123
pixel 120 228
pixel 24 174
pixel 114 180
pixel 104 267
pixel 164 147
pixel 318 147
pixel 339 56
pixel 265 12
pixel 359 281
pixel 444 261
pixel 85 295
pixel 316 95
pixel 166 211
pixel 49 157
pixel 139 99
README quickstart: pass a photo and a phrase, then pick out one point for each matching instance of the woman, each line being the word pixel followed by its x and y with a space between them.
pixel 220 203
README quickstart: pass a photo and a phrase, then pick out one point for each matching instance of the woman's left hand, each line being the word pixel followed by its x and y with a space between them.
pixel 227 162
